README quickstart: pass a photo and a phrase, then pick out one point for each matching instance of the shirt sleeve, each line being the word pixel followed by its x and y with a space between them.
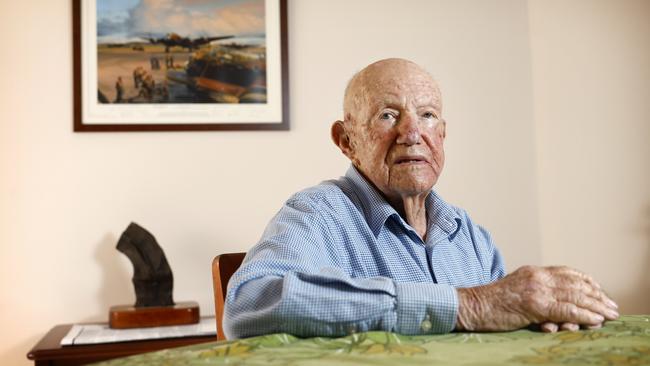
pixel 485 249
pixel 292 282
pixel 493 256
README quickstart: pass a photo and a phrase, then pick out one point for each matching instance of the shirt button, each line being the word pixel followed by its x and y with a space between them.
pixel 426 326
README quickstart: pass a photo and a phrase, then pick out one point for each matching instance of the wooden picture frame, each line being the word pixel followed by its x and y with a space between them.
pixel 237 81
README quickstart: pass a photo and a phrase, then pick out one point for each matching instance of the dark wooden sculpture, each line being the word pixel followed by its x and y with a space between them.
pixel 152 276
pixel 153 282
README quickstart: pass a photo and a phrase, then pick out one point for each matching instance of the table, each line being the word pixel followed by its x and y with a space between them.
pixel 48 351
pixel 622 342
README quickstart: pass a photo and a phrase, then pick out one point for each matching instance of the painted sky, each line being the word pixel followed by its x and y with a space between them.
pixel 126 20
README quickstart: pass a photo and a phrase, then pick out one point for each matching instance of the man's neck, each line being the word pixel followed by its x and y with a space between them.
pixel 414 210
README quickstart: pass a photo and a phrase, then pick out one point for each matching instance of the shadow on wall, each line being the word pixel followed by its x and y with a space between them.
pixel 17 354
pixel 115 287
pixel 645 278
pixel 638 302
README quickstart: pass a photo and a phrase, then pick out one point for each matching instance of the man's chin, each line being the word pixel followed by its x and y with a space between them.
pixel 413 187
pixel 413 176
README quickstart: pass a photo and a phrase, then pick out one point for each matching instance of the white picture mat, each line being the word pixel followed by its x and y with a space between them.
pixel 93 112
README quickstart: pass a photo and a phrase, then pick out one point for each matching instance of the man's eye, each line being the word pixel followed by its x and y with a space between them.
pixel 387 116
pixel 428 115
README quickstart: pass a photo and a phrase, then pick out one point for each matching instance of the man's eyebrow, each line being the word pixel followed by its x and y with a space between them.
pixel 428 102
pixel 430 106
pixel 389 104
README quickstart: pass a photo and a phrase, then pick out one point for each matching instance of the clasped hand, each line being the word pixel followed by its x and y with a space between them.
pixel 553 297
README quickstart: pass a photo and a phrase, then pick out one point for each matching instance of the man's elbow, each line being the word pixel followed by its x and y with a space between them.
pixel 249 323
pixel 252 309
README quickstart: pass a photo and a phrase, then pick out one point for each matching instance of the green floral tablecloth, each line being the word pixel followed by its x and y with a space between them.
pixel 622 342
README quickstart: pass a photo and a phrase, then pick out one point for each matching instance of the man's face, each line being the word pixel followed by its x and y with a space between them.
pixel 395 129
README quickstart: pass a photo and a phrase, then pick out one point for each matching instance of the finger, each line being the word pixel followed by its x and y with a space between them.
pixel 549 327
pixel 587 302
pixel 608 300
pixel 597 292
pixel 601 296
pixel 594 288
pixel 571 327
pixel 577 289
pixel 585 277
pixel 565 278
pixel 567 312
pixel 571 273
pixel 593 326
pixel 568 278
pixel 574 272
pixel 603 304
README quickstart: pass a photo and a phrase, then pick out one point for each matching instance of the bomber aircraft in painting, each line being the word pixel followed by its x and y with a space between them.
pixel 174 40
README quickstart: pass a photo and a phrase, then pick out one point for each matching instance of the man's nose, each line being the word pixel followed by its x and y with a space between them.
pixel 408 130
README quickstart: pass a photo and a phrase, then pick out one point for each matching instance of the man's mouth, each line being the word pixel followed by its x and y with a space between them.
pixel 410 159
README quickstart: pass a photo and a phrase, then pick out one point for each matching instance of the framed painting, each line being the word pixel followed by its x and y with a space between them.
pixel 180 65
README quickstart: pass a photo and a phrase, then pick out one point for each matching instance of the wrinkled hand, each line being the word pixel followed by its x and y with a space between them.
pixel 554 297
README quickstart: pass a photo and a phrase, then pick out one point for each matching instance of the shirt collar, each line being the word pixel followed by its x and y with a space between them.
pixel 374 206
pixel 442 219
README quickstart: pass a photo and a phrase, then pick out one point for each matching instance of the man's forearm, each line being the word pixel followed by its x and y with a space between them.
pixel 309 305
pixel 326 305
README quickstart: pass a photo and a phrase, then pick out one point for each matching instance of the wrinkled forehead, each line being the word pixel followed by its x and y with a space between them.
pixel 402 87
pixel 396 82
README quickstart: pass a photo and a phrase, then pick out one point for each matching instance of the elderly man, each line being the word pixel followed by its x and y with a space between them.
pixel 378 249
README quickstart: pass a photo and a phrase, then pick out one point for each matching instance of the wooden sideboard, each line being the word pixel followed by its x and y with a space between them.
pixel 48 351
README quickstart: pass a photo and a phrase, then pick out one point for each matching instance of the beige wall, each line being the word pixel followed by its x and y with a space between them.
pixel 591 78
pixel 66 197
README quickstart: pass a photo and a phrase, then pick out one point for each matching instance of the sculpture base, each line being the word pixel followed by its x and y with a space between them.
pixel 128 316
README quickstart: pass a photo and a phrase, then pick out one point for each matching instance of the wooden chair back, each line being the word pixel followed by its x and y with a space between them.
pixel 223 266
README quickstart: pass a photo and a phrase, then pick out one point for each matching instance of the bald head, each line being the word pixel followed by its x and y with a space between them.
pixel 392 71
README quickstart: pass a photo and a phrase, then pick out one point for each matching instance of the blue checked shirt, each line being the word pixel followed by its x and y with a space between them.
pixel 338 259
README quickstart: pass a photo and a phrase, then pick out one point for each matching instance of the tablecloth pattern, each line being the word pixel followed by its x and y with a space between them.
pixel 622 342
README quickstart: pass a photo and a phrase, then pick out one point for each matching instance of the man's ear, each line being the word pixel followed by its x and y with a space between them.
pixel 442 128
pixel 341 139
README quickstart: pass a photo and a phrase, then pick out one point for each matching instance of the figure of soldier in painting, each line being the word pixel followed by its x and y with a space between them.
pixel 119 90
